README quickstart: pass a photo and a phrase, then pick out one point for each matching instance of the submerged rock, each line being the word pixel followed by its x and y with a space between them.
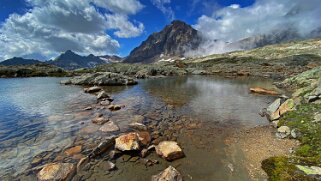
pixel 260 90
pixel 73 150
pixel 169 150
pixel 100 120
pixel 272 111
pixel 100 78
pixel 103 147
pixel 109 127
pixel 114 107
pixel 169 174
pixel 57 172
pixel 138 126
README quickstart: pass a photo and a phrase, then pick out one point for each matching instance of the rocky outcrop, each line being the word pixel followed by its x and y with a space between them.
pixel 169 150
pixel 57 172
pixel 169 174
pixel 173 40
pixel 100 78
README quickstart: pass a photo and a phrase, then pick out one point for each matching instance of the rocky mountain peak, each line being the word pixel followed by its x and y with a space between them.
pixel 172 41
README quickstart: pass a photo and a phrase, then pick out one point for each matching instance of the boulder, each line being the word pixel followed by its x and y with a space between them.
pixel 132 141
pixel 109 127
pixel 273 110
pixel 57 172
pixel 288 105
pixel 283 132
pixel 102 95
pixel 92 89
pixel 260 90
pixel 169 174
pixel 169 150
pixel 100 78
pixel 127 142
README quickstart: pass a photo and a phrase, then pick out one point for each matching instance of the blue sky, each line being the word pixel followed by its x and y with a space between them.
pixel 43 29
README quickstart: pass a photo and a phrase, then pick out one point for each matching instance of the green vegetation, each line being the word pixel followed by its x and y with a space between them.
pixel 37 70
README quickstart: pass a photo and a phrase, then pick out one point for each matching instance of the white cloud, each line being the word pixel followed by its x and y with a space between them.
pixel 51 27
pixel 265 17
pixel 165 8
pixel 125 28
pixel 233 23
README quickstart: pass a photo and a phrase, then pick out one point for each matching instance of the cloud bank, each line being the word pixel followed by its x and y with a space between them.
pixel 54 26
pixel 264 17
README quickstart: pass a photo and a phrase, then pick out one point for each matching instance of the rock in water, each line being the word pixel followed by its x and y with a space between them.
pixel 92 89
pixel 114 107
pixel 73 150
pixel 102 95
pixel 138 126
pixel 57 171
pixel 132 141
pixel 109 127
pixel 169 174
pixel 260 90
pixel 127 142
pixel 99 120
pixel 169 150
pixel 102 147
pixel 101 78
pixel 273 110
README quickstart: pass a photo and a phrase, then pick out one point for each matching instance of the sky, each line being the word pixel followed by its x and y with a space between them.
pixel 43 29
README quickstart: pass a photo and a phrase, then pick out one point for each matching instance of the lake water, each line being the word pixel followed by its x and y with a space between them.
pixel 38 116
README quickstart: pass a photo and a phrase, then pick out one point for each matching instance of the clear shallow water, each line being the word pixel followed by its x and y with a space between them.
pixel 39 114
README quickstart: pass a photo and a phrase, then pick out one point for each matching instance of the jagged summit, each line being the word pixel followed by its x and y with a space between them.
pixel 173 40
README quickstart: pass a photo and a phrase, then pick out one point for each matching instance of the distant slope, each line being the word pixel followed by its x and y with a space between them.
pixel 173 40
pixel 70 61
pixel 19 61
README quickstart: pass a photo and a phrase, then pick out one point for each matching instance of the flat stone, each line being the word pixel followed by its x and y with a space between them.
pixel 169 150
pixel 313 170
pixel 73 150
pixel 92 89
pixel 88 108
pixel 109 127
pixel 288 105
pixel 260 90
pixel 274 106
pixel 169 174
pixel 56 171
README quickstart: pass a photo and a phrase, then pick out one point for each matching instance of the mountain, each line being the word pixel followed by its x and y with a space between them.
pixel 70 61
pixel 111 58
pixel 19 61
pixel 172 41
